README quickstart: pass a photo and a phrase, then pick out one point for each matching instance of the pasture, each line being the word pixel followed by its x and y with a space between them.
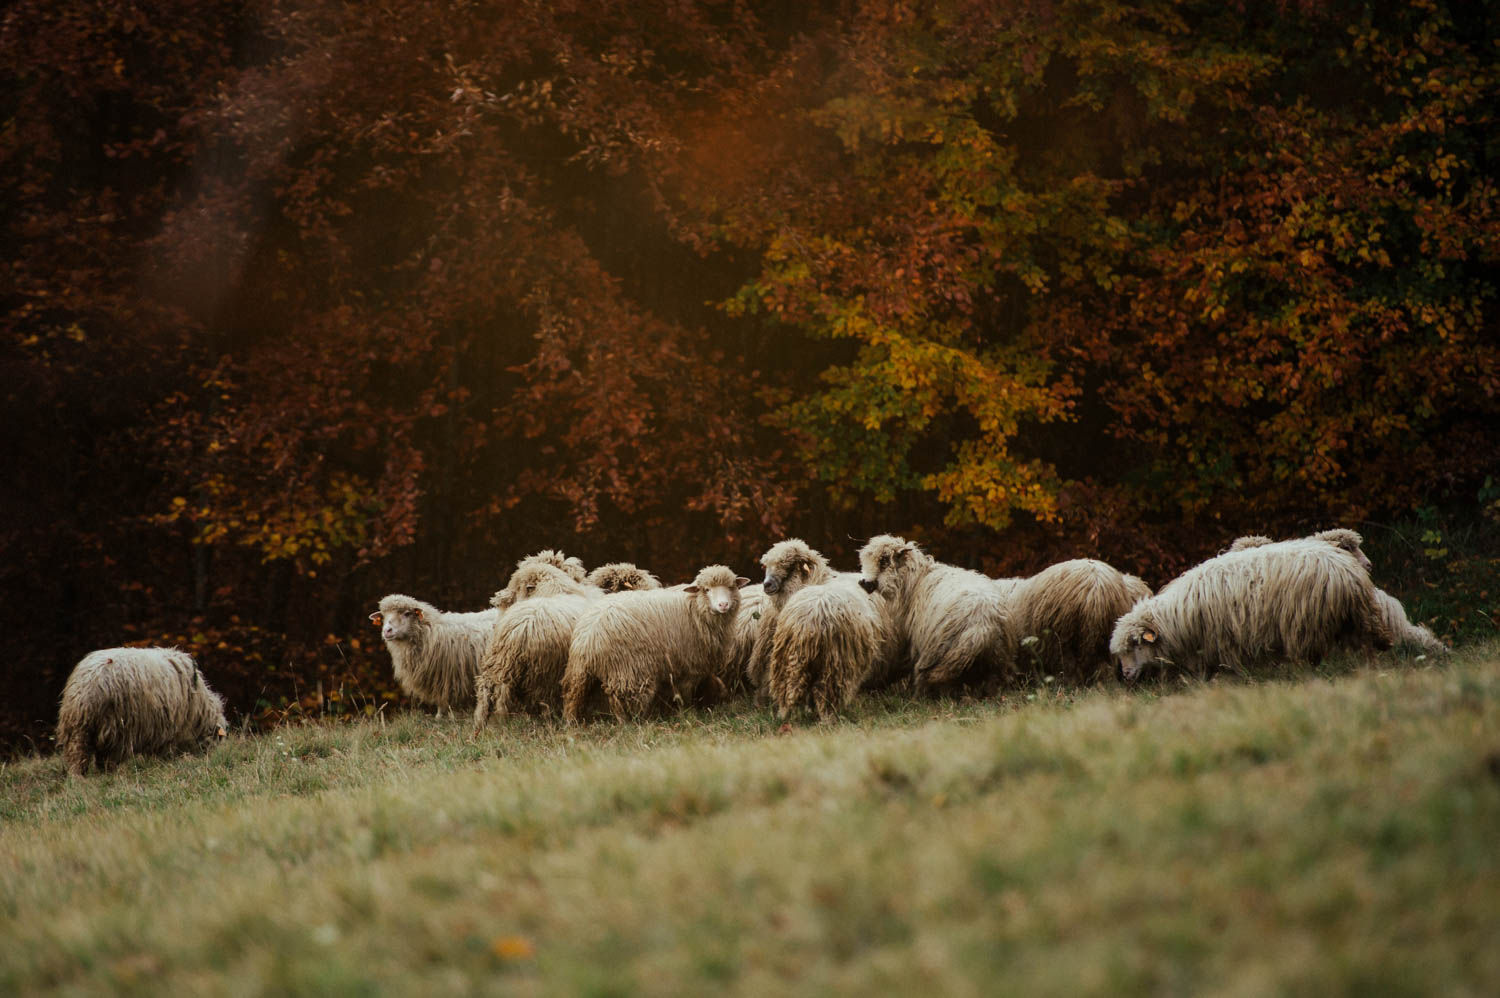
pixel 1327 833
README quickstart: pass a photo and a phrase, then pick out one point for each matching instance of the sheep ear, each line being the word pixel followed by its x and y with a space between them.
pixel 375 618
pixel 420 614
pixel 691 590
pixel 740 582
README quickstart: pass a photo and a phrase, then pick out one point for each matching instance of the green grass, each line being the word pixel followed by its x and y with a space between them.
pixel 1324 835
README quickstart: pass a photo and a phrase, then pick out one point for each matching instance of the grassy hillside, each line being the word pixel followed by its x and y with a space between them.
pixel 1329 835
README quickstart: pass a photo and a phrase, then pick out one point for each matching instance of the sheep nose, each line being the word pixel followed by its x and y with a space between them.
pixel 771 585
pixel 868 585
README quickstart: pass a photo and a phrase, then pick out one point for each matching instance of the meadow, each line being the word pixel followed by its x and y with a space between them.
pixel 1320 834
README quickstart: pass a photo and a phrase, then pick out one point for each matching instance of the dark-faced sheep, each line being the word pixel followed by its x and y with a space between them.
pixel 953 621
pixel 790 565
pixel 634 645
pixel 1293 600
pixel 1063 616
pixel 120 702
pixel 434 654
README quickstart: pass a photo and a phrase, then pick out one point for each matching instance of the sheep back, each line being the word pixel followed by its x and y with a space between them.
pixel 120 702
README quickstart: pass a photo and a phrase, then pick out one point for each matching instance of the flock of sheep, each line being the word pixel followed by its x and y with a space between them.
pixel 559 640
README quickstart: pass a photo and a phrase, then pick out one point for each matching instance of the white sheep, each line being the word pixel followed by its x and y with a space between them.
pixel 822 636
pixel 120 702
pixel 954 622
pixel 634 644
pixel 524 659
pixel 1063 616
pixel 434 654
pixel 790 565
pixel 1292 600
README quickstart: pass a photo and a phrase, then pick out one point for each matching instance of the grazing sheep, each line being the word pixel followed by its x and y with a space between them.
pixel 634 643
pixel 954 621
pixel 1063 616
pixel 1295 600
pixel 621 575
pixel 435 655
pixel 1402 630
pixel 1339 537
pixel 120 702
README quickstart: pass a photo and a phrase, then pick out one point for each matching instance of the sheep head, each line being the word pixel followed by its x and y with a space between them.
pixel 1347 540
pixel 401 618
pixel 789 565
pixel 533 579
pixel 718 588
pixel 1136 643
pixel 888 564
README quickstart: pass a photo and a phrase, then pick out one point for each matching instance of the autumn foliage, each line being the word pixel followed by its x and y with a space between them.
pixel 305 302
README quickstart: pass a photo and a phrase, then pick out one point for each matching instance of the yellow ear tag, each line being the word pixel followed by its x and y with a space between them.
pixel 1149 637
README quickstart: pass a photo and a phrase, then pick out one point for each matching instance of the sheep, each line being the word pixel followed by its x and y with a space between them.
pixel 1339 537
pixel 1402 630
pixel 434 654
pixel 954 621
pixel 1294 599
pixel 523 661
pixel 621 575
pixel 120 702
pixel 634 643
pixel 790 565
pixel 828 640
pixel 1063 616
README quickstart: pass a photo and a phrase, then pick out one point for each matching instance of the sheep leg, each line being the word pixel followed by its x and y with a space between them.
pixel 575 693
pixel 481 703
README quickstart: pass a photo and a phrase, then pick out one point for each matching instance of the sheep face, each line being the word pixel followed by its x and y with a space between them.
pixel 887 564
pixel 1135 645
pixel 718 589
pixel 788 566
pixel 218 727
pixel 401 623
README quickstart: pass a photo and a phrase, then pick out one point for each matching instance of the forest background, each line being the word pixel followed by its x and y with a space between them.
pixel 307 302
